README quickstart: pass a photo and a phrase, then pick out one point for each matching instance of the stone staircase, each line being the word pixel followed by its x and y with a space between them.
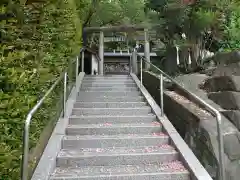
pixel 113 135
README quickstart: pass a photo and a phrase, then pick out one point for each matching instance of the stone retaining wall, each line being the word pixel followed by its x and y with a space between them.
pixel 198 128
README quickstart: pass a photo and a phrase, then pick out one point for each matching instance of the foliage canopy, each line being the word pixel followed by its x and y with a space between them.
pixel 217 20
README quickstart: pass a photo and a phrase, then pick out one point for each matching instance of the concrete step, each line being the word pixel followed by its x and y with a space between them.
pixel 107 81
pixel 116 156
pixel 109 104
pixel 120 140
pixel 110 93
pixel 109 75
pixel 112 82
pixel 113 129
pixel 109 88
pixel 111 99
pixel 108 85
pixel 111 111
pixel 106 77
pixel 174 170
pixel 112 119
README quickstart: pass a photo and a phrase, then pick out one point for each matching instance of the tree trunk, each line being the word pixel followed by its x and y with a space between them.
pixel 195 52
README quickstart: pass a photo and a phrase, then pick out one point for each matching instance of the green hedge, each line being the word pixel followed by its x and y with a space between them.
pixel 37 44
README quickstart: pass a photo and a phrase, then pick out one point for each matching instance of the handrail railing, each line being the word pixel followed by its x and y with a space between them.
pixel 209 108
pixel 63 76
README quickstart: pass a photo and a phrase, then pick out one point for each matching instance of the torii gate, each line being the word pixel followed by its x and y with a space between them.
pixel 124 28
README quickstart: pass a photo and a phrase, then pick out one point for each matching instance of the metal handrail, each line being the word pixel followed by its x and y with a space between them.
pixel 207 106
pixel 63 76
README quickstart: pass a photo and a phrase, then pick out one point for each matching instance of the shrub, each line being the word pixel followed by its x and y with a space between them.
pixel 38 40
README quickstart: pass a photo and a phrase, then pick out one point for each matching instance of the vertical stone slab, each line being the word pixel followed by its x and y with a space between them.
pixel 147 48
pixel 101 52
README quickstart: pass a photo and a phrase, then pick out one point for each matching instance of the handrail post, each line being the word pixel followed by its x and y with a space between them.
pixel 161 94
pixel 141 68
pixel 222 172
pixel 24 175
pixel 82 61
pixel 77 65
pixel 64 94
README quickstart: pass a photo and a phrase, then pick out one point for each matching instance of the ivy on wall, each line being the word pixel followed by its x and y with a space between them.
pixel 37 40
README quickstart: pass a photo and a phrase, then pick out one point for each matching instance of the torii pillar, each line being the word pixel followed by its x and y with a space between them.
pixel 147 49
pixel 134 63
pixel 101 53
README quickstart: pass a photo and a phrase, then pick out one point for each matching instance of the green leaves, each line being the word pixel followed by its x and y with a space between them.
pixel 32 54
pixel 118 12
pixel 202 21
pixel 232 33
pixel 196 19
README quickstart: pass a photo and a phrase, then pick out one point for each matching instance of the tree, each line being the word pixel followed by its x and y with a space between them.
pixel 118 12
pixel 200 20
pixel 231 40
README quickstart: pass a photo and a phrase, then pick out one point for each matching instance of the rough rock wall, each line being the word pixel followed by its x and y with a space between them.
pixel 225 91
pixel 223 63
pixel 199 129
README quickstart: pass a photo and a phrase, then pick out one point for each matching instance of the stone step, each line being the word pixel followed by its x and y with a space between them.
pixel 111 99
pixel 116 156
pixel 107 81
pixel 108 85
pixel 109 88
pixel 107 77
pixel 112 119
pixel 109 104
pixel 174 170
pixel 111 111
pixel 113 83
pixel 110 93
pixel 120 140
pixel 113 129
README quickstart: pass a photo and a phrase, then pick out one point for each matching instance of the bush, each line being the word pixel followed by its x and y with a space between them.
pixel 231 31
pixel 38 40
